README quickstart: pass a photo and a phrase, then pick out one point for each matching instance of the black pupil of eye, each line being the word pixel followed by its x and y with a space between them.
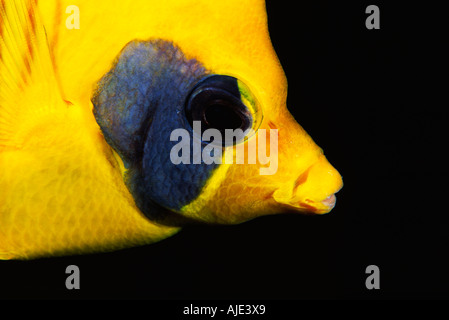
pixel 220 116
pixel 217 104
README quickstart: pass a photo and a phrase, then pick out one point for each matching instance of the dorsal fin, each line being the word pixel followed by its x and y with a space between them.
pixel 28 86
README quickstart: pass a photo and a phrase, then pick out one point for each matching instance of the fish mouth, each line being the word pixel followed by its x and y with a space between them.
pixel 313 191
pixel 307 205
pixel 319 207
pixel 322 206
pixel 330 201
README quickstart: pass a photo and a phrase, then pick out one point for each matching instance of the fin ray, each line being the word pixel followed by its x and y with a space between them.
pixel 28 85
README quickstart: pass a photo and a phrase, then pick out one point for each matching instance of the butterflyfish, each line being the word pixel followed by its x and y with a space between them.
pixel 114 122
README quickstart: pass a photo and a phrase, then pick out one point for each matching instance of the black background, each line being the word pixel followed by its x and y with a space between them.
pixel 371 100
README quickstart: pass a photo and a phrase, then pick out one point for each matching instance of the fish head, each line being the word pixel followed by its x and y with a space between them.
pixel 222 73
pixel 276 168
pixel 297 176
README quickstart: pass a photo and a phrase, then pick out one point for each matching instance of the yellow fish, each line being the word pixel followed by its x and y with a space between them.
pixel 91 94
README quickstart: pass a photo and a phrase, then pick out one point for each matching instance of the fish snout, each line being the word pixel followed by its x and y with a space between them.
pixel 313 190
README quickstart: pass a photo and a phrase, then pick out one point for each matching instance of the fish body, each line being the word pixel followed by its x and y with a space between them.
pixel 86 117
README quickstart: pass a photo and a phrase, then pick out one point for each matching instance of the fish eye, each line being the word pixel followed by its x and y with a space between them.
pixel 219 102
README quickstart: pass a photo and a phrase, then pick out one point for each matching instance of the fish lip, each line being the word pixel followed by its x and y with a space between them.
pixel 330 201
pixel 307 205
pixel 317 207
pixel 320 207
